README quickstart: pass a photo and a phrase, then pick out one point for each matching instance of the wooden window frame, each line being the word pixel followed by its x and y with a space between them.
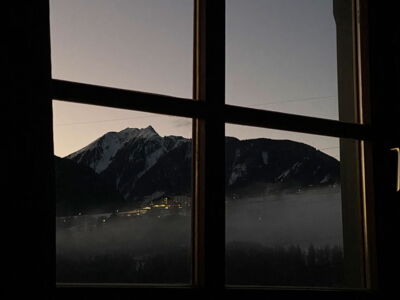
pixel 210 114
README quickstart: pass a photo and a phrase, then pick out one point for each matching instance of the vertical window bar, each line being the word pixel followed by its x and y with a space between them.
pixel 209 145
pixel 364 108
pixel 350 168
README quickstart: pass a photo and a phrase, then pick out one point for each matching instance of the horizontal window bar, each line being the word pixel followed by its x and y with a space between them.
pixel 197 293
pixel 125 99
pixel 283 121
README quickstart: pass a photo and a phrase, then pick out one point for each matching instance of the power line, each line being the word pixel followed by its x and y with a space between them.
pixel 292 100
pixel 106 120
pixel 334 147
pixel 145 117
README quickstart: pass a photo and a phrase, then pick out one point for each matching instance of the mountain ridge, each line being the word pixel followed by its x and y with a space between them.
pixel 139 163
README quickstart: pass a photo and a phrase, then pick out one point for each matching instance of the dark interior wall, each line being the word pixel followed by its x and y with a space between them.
pixel 28 127
pixel 383 70
pixel 29 209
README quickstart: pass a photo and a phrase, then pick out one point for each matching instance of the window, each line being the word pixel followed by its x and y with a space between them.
pixel 102 43
pixel 123 202
pixel 286 210
pixel 210 116
pixel 77 224
pixel 282 55
pixel 342 256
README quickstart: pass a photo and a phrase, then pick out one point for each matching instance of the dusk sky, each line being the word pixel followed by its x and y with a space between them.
pixel 280 55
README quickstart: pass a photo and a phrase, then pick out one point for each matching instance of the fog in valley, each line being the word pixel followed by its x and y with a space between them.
pixel 271 239
pixel 307 217
pixel 116 248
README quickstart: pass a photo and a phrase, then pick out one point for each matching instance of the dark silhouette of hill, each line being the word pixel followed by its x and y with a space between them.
pixel 126 168
pixel 80 190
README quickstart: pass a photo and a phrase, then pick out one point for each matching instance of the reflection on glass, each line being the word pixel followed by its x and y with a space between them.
pixel 143 45
pixel 292 56
pixel 283 209
pixel 123 200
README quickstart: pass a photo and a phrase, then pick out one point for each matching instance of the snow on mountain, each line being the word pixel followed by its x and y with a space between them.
pixel 139 162
pixel 103 149
pixel 132 133
pixel 285 164
pixel 238 171
pixel 99 154
pixel 326 178
pixel 293 169
pixel 124 157
pixel 265 157
pixel 151 159
pixel 283 175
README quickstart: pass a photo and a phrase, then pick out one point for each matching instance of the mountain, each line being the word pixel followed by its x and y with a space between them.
pixel 139 162
pixel 141 165
pixel 80 190
pixel 265 165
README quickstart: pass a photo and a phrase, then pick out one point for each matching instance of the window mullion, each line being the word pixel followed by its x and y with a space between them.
pixel 162 104
pixel 209 145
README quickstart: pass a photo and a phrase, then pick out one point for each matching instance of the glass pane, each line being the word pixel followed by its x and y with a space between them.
pixel 144 45
pixel 123 196
pixel 290 219
pixel 292 56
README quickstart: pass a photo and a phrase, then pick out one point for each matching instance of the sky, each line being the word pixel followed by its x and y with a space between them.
pixel 280 55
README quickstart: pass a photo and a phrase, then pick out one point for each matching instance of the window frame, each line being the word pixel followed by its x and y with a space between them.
pixel 210 114
pixel 208 111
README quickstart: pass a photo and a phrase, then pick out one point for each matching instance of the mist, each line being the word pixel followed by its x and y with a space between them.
pixel 279 238
pixel 308 217
pixel 286 239
pixel 145 249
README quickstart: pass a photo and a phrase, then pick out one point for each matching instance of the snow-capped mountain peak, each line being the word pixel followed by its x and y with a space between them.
pixel 135 159
pixel 144 133
pixel 99 154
